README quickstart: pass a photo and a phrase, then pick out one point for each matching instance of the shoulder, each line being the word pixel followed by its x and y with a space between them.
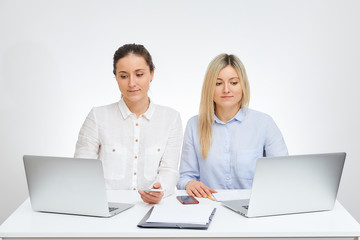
pixel 165 112
pixel 257 118
pixel 254 114
pixel 105 108
pixel 193 122
pixel 165 109
pixel 191 127
pixel 108 106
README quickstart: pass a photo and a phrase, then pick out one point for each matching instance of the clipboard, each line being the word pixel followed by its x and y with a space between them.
pixel 144 224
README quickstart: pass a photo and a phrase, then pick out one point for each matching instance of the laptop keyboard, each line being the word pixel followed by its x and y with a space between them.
pixel 112 209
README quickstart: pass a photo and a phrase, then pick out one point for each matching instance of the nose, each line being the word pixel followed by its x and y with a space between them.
pixel 132 82
pixel 226 88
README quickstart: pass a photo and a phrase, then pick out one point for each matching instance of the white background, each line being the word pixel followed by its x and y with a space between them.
pixel 302 60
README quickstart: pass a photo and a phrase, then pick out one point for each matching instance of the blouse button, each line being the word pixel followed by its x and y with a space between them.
pixel 137 124
pixel 135 157
pixel 158 149
pixel 114 150
pixel 134 173
pixel 134 188
pixel 136 140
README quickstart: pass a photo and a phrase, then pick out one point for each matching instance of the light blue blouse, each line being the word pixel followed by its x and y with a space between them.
pixel 236 146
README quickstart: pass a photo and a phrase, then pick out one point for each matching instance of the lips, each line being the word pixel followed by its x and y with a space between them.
pixel 134 91
pixel 227 97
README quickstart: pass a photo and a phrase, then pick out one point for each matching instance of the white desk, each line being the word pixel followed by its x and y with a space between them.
pixel 226 224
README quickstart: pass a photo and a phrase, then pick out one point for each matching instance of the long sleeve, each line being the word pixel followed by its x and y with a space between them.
pixel 135 151
pixel 168 169
pixel 274 141
pixel 88 143
pixel 236 146
pixel 189 167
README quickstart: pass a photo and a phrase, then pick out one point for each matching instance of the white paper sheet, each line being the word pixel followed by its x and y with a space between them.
pixel 231 195
pixel 195 213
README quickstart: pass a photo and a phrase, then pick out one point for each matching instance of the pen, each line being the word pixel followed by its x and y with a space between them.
pixel 211 198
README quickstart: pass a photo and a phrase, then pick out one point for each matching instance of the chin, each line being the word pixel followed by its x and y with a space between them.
pixel 134 98
pixel 228 105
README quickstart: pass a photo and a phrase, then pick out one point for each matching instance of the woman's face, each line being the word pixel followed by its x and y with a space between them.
pixel 133 77
pixel 228 90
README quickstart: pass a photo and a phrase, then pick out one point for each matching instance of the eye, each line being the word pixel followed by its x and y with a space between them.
pixel 234 83
pixel 123 76
pixel 139 74
pixel 218 83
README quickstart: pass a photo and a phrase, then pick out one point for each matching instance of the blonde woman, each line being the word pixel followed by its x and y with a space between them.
pixel 221 144
pixel 137 141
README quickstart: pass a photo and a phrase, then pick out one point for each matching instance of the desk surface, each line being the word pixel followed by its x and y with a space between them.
pixel 25 223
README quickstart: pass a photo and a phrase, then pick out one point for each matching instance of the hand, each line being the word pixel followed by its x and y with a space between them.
pixel 198 189
pixel 152 197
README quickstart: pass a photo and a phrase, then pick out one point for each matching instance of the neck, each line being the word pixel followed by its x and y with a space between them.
pixel 225 114
pixel 138 107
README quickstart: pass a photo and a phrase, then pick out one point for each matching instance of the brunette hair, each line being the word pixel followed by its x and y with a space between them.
pixel 136 49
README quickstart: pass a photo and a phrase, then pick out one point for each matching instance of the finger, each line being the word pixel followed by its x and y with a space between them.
pixel 151 194
pixel 196 188
pixel 144 194
pixel 156 194
pixel 157 197
pixel 189 188
pixel 152 197
pixel 212 190
pixel 143 198
pixel 196 192
pixel 207 191
pixel 201 190
pixel 157 185
pixel 146 198
pixel 190 193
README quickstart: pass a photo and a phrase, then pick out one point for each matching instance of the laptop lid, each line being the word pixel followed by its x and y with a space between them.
pixel 294 184
pixel 68 185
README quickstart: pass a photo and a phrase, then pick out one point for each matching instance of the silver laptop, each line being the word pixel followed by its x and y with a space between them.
pixel 69 185
pixel 292 184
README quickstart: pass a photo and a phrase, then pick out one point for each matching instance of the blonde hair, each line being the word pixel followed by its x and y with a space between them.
pixel 207 104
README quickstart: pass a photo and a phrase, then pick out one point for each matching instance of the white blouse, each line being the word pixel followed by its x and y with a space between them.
pixel 135 152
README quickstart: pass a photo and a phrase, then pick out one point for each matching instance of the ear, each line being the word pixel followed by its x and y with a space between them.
pixel 152 75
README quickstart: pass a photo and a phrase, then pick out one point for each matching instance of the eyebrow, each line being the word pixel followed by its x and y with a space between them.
pixel 229 78
pixel 136 70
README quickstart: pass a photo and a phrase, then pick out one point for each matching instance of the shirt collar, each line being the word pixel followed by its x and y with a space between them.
pixel 239 116
pixel 125 111
pixel 150 111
